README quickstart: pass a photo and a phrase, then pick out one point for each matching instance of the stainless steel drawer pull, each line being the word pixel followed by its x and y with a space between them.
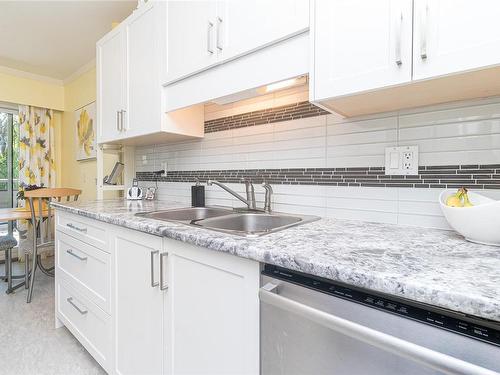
pixel 399 61
pixel 162 284
pixel 209 37
pixel 118 120
pixel 423 37
pixel 83 230
pixel 81 311
pixel 122 113
pixel 154 283
pixel 70 252
pixel 219 34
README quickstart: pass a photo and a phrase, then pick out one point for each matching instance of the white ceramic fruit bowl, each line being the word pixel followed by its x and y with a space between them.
pixel 480 223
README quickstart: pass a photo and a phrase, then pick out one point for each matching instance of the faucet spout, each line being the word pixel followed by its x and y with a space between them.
pixel 250 194
pixel 232 192
pixel 269 193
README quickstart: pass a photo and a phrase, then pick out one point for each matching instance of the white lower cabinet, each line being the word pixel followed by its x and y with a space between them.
pixel 138 303
pixel 175 308
pixel 87 322
pixel 211 311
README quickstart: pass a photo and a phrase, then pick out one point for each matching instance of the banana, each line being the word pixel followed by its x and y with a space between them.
pixel 459 199
pixel 455 200
pixel 465 197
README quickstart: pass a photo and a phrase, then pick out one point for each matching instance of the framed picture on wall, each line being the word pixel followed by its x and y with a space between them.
pixel 85 125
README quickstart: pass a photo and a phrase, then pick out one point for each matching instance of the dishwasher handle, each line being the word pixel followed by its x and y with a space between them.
pixel 427 357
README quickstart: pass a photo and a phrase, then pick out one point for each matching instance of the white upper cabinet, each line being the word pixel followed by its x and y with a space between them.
pixel 130 98
pixel 244 26
pixel 191 37
pixel 386 55
pixel 361 45
pixel 455 35
pixel 143 73
pixel 110 85
pixel 206 34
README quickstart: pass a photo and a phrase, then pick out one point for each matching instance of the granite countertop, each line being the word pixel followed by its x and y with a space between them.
pixel 432 266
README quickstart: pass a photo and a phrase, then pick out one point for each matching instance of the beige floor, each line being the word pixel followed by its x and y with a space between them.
pixel 29 343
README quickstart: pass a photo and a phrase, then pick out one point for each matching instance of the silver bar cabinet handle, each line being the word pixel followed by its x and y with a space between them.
pixel 399 62
pixel 70 301
pixel 72 226
pixel 423 35
pixel 118 120
pixel 70 252
pixel 209 37
pixel 425 356
pixel 122 112
pixel 154 283
pixel 219 37
pixel 162 284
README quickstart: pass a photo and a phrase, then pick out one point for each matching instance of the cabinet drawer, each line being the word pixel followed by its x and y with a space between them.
pixel 90 231
pixel 89 324
pixel 85 267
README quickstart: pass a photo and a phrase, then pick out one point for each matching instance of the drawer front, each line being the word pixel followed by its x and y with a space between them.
pixel 90 325
pixel 90 231
pixel 85 267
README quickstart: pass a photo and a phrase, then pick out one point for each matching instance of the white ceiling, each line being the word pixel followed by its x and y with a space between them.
pixel 55 38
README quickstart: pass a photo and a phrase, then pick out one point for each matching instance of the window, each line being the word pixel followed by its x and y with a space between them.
pixel 9 167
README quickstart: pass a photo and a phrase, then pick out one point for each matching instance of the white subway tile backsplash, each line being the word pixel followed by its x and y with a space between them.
pixel 451 134
pixel 362 204
pixel 459 157
pixel 352 126
pixel 377 216
pixel 363 193
pixel 461 112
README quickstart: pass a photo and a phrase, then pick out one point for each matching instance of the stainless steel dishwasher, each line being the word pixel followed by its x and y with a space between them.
pixel 315 326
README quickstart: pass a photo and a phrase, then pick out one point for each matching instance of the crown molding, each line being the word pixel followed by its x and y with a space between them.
pixel 28 75
pixel 81 70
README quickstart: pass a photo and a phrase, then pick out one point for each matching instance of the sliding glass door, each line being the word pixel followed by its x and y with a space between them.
pixel 9 167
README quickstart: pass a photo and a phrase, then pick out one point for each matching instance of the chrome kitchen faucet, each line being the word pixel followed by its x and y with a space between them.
pixel 250 193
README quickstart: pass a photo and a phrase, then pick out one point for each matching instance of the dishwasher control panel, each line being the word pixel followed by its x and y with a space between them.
pixel 422 314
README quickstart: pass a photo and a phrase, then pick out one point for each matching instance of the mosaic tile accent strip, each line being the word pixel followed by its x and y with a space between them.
pixel 265 116
pixel 442 177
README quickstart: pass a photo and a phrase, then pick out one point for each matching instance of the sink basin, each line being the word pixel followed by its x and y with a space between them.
pixel 187 214
pixel 253 224
pixel 227 220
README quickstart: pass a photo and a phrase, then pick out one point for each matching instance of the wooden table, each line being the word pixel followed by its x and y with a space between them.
pixel 13 214
pixel 7 215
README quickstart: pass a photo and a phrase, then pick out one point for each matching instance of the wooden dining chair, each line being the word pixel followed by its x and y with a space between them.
pixel 41 224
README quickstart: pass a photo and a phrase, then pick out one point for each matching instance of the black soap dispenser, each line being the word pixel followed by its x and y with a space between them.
pixel 198 195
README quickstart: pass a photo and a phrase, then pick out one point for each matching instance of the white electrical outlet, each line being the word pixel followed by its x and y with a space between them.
pixel 401 160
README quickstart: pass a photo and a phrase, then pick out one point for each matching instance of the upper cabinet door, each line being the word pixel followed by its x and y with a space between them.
pixel 110 65
pixel 360 45
pixel 455 35
pixel 143 73
pixel 242 26
pixel 191 34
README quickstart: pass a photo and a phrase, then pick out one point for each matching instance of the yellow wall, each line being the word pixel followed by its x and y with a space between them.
pixel 21 90
pixel 64 100
pixel 77 174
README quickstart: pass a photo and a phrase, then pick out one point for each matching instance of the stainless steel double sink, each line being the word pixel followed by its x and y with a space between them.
pixel 246 223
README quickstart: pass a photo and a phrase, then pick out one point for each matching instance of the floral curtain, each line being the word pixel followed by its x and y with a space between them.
pixel 36 158
pixel 36 147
